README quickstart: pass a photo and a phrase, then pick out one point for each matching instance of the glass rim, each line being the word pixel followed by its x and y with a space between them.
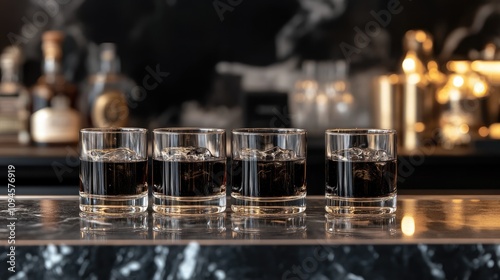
pixel 268 131
pixel 188 130
pixel 99 130
pixel 360 131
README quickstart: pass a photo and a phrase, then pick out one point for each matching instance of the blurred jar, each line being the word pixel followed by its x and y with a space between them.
pixel 302 98
pixel 405 101
pixel 320 98
pixel 463 102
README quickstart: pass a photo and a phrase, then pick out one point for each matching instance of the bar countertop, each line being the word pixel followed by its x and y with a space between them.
pixel 432 237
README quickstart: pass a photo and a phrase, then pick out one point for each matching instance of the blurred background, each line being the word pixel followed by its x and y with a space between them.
pixel 189 39
pixel 428 69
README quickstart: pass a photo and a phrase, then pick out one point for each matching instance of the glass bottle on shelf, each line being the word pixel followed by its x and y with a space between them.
pixel 463 100
pixel 54 120
pixel 336 86
pixel 418 108
pixel 14 99
pixel 105 99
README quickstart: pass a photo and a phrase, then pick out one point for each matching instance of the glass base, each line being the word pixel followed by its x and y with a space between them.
pixel 174 205
pixel 243 205
pixel 113 205
pixel 361 206
pixel 90 222
pixel 190 224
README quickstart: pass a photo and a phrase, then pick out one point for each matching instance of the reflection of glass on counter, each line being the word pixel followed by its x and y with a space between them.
pixel 173 227
pixel 455 218
pixel 46 207
pixel 284 224
pixel 189 223
pixel 361 227
pixel 104 227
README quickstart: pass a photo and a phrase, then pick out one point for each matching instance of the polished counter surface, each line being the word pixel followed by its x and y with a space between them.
pixel 419 219
pixel 429 237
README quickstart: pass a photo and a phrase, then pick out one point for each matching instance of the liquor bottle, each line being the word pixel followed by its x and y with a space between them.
pixel 418 106
pixel 106 92
pixel 14 99
pixel 302 98
pixel 54 120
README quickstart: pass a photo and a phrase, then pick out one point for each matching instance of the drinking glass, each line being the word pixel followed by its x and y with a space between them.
pixel 268 172
pixel 189 171
pixel 113 170
pixel 361 171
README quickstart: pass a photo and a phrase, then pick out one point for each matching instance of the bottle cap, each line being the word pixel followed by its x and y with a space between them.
pixel 53 36
pixel 51 45
pixel 11 56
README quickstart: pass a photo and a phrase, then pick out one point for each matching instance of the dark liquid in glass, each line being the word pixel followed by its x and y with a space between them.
pixel 361 178
pixel 189 178
pixel 260 178
pixel 113 178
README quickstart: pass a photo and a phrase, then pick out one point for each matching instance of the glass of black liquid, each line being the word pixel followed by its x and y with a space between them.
pixel 113 170
pixel 361 171
pixel 268 172
pixel 189 171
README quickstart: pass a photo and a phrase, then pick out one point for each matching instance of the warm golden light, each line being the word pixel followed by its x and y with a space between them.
pixel 308 84
pixel 458 66
pixel 321 99
pixel 394 79
pixel 464 128
pixel 347 98
pixel 486 67
pixel 413 78
pixel 340 86
pixel 495 131
pixel 432 65
pixel 408 225
pixel 420 36
pixel 419 127
pixel 409 65
pixel 458 81
pixel 483 131
pixel 427 45
pixel 479 89
pixel 455 215
pixel 442 96
pixel 454 95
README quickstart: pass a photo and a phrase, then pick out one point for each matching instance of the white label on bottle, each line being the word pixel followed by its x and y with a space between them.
pixel 55 126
